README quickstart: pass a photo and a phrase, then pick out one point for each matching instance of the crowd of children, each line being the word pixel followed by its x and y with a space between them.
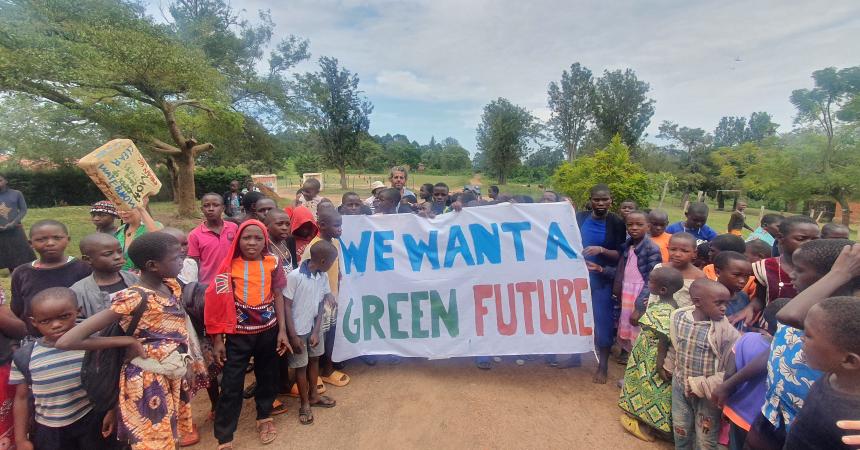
pixel 715 353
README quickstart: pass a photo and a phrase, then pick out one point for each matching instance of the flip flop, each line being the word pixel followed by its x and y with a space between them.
pixel 267 430
pixel 320 386
pixel 337 378
pixel 306 416
pixel 632 426
pixel 294 391
pixel 324 402
pixel 250 391
pixel 278 408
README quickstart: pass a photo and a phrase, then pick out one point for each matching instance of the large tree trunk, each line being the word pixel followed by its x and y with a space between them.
pixel 842 201
pixel 174 179
pixel 342 172
pixel 185 182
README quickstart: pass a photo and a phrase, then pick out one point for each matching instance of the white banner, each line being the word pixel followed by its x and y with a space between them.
pixel 504 279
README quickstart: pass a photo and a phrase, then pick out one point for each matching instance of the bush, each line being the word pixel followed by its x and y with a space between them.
pixel 308 162
pixel 217 179
pixel 611 166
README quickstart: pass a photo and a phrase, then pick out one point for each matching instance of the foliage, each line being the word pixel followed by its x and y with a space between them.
pixel 621 105
pixel 733 130
pixel 217 179
pixel 449 156
pixel 308 162
pixel 503 136
pixel 338 114
pixel 398 150
pixel 692 140
pixel 572 102
pixel 612 166
pixel 822 105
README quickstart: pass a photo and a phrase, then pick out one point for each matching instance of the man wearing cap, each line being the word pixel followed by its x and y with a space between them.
pixel 375 187
pixel 102 215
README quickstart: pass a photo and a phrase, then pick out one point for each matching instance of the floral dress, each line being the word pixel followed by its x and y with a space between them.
pixel 645 395
pixel 154 409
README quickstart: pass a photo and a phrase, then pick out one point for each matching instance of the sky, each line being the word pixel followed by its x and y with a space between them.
pixel 429 67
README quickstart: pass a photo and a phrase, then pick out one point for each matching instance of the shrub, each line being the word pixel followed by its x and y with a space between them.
pixel 217 179
pixel 308 162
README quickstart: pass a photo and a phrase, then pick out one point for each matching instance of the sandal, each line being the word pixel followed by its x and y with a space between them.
pixel 320 386
pixel 294 391
pixel 632 426
pixel 189 439
pixel 306 416
pixel 324 402
pixel 250 391
pixel 278 408
pixel 267 430
pixel 227 446
pixel 337 378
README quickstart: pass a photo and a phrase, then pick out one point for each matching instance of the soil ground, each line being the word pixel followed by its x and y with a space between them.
pixel 446 404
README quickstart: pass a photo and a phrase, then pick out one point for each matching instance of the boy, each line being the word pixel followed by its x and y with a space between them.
pixel 351 205
pixel 330 224
pixel 281 242
pixel 697 216
pixel 375 188
pixel 232 199
pixel 102 215
pixel 757 250
pixel 306 294
pixel 832 345
pixel 626 207
pixel 104 255
pixel 727 243
pixel 738 220
pixel 64 416
pixel 493 192
pixel 389 202
pixel 657 221
pixel 733 270
pixel 701 335
pixel 440 198
pixel 768 231
pixel 426 192
pixel 209 242
pixel 833 230
pixel 189 265
pixel 310 197
pixel 49 239
pixel 263 206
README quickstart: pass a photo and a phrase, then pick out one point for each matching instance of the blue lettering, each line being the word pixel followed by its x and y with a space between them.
pixel 380 248
pixel 417 249
pixel 486 244
pixel 357 256
pixel 554 240
pixel 516 229
pixel 457 246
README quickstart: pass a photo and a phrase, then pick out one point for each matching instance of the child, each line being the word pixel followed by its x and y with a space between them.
pixel 646 396
pixel 631 283
pixel 375 188
pixel 626 207
pixel 104 255
pixel 159 342
pixel 244 318
pixel 425 193
pixel 727 242
pixel 209 242
pixel 102 215
pixel 12 329
pixel 64 416
pixel 833 230
pixel 697 216
pixel 49 239
pixel 768 231
pixel 389 202
pixel 701 336
pixel 310 197
pixel 262 208
pixel 682 251
pixel 832 345
pixel 733 271
pixel 440 199
pixel 281 242
pixel 306 293
pixel 657 222
pixel 303 227
pixel 757 250
pixel 351 205
pixel 738 220
pixel 188 274
pixel 232 200
pixel 330 223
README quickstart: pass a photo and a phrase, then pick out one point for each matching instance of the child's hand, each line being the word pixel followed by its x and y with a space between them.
pixel 109 423
pixel 593 250
pixel 848 262
pixel 634 317
pixel 746 315
pixel 314 340
pixel 720 395
pixel 593 267
pixel 297 345
pixel 135 349
pixel 219 351
pixel 664 374
pixel 283 344
pixel 330 301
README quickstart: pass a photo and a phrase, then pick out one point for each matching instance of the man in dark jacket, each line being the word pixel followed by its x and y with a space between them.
pixel 233 200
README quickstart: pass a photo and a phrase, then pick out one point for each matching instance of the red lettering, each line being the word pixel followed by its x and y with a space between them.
pixel 526 289
pixel 481 293
pixel 580 284
pixel 548 324
pixel 565 292
pixel 509 328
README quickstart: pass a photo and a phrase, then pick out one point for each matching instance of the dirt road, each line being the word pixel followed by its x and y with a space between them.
pixel 452 404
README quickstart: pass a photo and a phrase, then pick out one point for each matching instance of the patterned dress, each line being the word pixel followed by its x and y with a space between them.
pixel 645 395
pixel 154 409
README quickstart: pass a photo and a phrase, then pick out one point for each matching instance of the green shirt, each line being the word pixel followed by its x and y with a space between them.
pixel 120 235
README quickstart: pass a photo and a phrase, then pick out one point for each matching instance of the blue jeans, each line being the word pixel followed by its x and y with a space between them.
pixel 695 421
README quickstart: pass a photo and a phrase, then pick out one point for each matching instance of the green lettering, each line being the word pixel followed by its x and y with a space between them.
pixel 372 309
pixel 348 333
pixel 417 314
pixel 394 316
pixel 449 317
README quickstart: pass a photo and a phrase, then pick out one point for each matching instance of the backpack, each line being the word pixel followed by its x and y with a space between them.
pixel 100 370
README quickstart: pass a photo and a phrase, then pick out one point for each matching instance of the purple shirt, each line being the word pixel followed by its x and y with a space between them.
pixel 745 404
pixel 210 248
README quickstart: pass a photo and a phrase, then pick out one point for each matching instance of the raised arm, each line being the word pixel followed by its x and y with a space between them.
pixel 80 337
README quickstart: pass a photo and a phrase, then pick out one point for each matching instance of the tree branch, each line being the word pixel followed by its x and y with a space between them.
pixel 164 148
pixel 200 148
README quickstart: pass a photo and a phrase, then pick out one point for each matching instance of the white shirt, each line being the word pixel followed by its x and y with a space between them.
pixel 306 290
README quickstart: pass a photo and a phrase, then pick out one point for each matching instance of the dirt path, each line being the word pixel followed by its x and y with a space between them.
pixel 476 179
pixel 451 404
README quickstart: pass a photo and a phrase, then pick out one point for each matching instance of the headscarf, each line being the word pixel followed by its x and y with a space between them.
pixel 219 315
pixel 298 217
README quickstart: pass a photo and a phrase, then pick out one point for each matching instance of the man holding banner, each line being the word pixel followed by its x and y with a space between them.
pixel 497 280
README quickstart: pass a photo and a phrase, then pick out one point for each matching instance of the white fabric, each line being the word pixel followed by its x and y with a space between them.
pixel 306 292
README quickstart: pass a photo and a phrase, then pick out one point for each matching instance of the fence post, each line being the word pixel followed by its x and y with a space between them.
pixel 663 195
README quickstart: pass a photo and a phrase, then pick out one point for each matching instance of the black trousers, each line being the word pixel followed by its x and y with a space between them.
pixel 240 349
pixel 85 434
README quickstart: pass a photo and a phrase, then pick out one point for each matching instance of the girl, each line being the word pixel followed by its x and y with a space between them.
pixel 153 403
pixel 682 252
pixel 639 255
pixel 14 249
pixel 304 229
pixel 135 223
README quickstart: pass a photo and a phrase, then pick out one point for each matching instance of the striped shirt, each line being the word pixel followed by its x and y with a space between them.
pixel 59 397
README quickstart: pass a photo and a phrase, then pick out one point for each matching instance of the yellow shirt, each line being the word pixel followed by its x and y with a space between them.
pixel 334 270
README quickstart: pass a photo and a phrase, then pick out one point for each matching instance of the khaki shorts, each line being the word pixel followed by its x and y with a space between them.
pixel 301 360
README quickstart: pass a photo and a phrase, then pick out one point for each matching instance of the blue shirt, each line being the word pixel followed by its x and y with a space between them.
pixel 736 304
pixel 705 233
pixel 789 378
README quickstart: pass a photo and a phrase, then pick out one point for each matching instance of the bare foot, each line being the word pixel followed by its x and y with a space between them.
pixel 599 377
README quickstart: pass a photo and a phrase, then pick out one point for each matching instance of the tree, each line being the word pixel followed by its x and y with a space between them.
pixel 339 114
pixel 109 64
pixel 571 102
pixel 621 105
pixel 690 139
pixel 731 131
pixel 503 136
pixel 611 166
pixel 760 127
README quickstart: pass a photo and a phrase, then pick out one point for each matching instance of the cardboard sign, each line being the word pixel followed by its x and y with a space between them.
pixel 121 173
